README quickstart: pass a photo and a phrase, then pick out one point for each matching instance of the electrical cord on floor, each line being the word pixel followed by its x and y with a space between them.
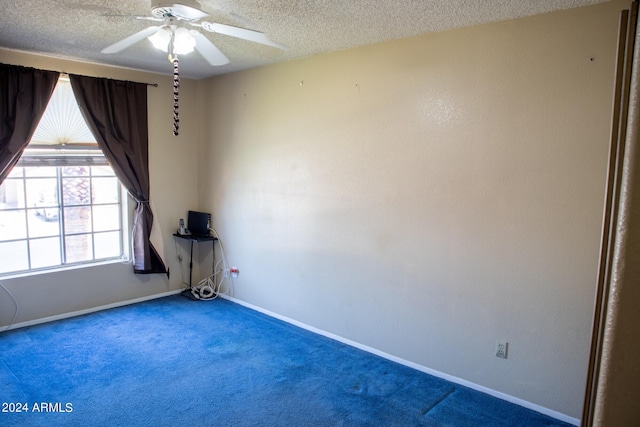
pixel 206 289
pixel 15 302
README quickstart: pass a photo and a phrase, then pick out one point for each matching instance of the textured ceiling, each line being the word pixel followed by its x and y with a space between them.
pixel 80 29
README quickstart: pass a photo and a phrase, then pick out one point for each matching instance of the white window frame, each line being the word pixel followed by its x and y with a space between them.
pixel 59 209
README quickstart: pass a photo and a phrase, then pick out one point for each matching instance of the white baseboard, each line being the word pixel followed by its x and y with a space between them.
pixel 455 380
pixel 89 310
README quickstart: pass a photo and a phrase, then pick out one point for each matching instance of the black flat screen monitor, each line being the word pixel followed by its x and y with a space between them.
pixel 198 223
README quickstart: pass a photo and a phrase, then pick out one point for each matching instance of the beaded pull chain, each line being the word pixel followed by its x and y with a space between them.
pixel 176 86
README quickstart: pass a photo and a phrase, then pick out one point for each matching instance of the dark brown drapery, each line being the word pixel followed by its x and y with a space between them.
pixel 24 95
pixel 116 113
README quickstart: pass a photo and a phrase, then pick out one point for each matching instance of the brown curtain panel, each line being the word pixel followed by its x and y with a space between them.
pixel 116 113
pixel 24 95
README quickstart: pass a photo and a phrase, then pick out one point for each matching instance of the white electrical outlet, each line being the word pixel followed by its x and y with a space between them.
pixel 231 272
pixel 501 349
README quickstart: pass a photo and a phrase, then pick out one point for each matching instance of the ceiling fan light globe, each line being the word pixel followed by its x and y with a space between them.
pixel 160 39
pixel 184 43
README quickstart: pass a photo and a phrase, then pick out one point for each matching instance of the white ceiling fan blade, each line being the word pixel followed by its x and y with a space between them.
pixel 208 50
pixel 131 40
pixel 241 33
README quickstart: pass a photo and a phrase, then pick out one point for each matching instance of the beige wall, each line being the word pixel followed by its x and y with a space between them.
pixel 173 192
pixel 427 197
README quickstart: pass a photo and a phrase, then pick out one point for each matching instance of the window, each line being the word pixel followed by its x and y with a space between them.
pixel 62 204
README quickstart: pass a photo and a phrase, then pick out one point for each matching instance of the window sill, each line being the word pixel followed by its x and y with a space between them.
pixel 16 275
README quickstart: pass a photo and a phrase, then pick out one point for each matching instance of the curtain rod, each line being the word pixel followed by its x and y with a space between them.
pixel 65 74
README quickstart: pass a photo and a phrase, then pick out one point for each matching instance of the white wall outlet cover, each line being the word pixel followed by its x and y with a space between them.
pixel 501 349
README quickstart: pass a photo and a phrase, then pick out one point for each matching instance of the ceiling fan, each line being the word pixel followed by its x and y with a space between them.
pixel 175 37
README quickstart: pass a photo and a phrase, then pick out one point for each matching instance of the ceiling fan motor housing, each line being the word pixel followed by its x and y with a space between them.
pixel 187 9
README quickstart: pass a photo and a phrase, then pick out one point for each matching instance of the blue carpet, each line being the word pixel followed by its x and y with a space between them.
pixel 176 362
